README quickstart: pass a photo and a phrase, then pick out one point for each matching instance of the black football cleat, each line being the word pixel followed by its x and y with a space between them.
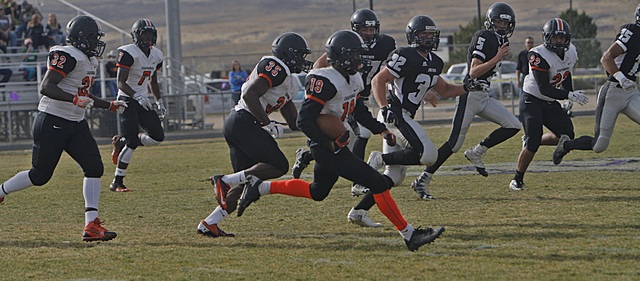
pixel 423 236
pixel 250 193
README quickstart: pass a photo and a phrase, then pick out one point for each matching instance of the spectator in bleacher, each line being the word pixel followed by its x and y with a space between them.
pixel 25 15
pixel 237 77
pixel 29 70
pixel 112 72
pixel 36 32
pixel 7 37
pixel 12 10
pixel 6 75
pixel 55 31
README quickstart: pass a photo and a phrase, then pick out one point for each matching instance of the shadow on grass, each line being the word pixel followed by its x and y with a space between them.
pixel 58 244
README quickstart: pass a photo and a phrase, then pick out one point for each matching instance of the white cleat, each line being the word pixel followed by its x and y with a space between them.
pixel 358 189
pixel 361 218
pixel 474 155
pixel 517 186
pixel 375 160
pixel 421 185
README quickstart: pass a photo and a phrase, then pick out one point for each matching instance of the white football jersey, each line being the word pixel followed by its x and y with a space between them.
pixel 274 70
pixel 344 102
pixel 79 72
pixel 559 70
pixel 142 67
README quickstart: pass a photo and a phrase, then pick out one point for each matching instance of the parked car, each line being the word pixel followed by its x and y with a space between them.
pixel 506 72
pixel 217 98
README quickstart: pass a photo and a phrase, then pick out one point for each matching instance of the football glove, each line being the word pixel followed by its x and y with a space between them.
pixel 578 97
pixel 83 101
pixel 143 100
pixel 626 83
pixel 474 85
pixel 117 106
pixel 340 142
pixel 388 115
pixel 274 130
pixel 567 106
pixel 389 137
pixel 162 110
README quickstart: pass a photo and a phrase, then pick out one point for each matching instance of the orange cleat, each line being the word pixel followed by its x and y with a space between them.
pixel 118 145
pixel 95 232
pixel 212 230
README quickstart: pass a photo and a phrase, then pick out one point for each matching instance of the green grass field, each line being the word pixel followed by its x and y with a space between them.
pixel 576 225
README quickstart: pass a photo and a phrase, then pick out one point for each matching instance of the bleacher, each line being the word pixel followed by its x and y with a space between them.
pixel 19 98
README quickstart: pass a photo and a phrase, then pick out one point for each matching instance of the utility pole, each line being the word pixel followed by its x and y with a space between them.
pixel 571 13
pixel 479 17
pixel 174 49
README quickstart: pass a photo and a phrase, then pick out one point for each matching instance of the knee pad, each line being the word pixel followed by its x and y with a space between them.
pixel 318 193
pixel 132 142
pixel 148 140
pixel 94 172
pixel 600 145
pixel 38 178
pixel 532 145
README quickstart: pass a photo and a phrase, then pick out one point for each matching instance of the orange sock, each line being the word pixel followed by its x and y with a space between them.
pixel 388 207
pixel 293 187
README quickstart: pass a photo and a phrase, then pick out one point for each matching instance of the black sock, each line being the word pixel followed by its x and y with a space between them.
pixel 519 176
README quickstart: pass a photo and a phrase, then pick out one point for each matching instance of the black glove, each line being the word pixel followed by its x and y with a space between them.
pixel 473 85
pixel 340 142
pixel 388 114
pixel 389 137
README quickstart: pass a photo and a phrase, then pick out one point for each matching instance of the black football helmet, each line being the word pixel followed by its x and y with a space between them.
pixel 500 11
pixel 556 26
pixel 638 14
pixel 144 33
pixel 291 48
pixel 365 18
pixel 420 24
pixel 84 33
pixel 344 50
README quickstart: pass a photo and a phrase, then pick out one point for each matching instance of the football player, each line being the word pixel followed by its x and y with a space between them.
pixel 270 88
pixel 138 65
pixel 550 79
pixel 620 92
pixel 380 47
pixel 60 125
pixel 413 72
pixel 487 50
pixel 333 91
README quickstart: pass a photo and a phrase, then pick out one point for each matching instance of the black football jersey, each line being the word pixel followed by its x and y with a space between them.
pixel 629 40
pixel 484 46
pixel 415 75
pixel 377 54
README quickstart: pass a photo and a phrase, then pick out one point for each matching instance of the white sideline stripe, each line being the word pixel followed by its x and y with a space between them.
pixel 625 164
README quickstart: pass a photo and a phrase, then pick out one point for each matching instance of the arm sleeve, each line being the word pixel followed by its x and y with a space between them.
pixel 363 116
pixel 125 60
pixel 311 107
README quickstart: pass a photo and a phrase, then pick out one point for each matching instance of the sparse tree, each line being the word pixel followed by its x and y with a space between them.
pixel 583 36
pixel 461 40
